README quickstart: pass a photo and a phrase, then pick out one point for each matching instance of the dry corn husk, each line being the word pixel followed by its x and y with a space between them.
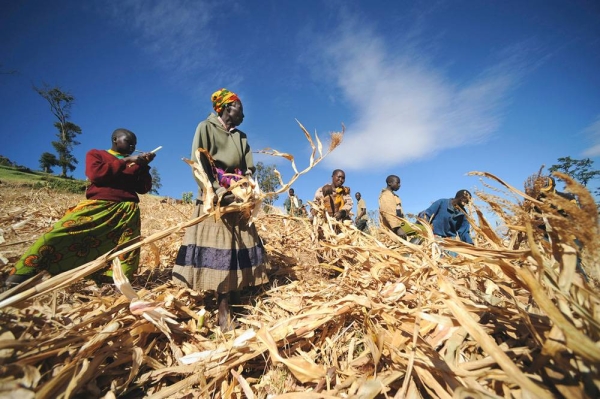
pixel 347 315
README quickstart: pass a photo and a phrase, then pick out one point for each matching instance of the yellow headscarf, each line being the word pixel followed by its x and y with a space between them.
pixel 221 97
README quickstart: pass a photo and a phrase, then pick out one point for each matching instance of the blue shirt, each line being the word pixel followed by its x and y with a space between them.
pixel 448 221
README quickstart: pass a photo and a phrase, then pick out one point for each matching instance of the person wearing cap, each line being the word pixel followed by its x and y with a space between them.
pixel 448 217
pixel 223 255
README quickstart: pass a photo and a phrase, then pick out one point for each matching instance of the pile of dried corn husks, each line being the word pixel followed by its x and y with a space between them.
pixel 349 315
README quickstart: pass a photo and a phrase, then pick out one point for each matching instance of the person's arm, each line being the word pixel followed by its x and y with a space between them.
pixel 102 169
pixel 248 158
pixel 287 204
pixel 348 203
pixel 202 140
pixel 144 182
pixel 400 211
pixel 429 213
pixel 361 211
pixel 464 232
pixel 318 198
pixel 319 195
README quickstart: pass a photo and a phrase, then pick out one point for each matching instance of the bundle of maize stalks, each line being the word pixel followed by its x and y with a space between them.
pixel 346 314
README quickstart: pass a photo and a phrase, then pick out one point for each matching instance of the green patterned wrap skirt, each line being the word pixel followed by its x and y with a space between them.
pixel 87 231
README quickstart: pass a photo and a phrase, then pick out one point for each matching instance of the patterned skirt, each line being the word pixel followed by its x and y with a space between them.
pixel 221 255
pixel 87 231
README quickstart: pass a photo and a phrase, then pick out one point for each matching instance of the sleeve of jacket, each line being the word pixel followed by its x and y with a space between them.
pixel 249 159
pixel 319 195
pixel 430 212
pixel 102 169
pixel 144 181
pixel 348 203
pixel 464 232
pixel 202 140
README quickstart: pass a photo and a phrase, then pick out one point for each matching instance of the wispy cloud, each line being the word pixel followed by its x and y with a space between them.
pixel 593 132
pixel 177 36
pixel 406 108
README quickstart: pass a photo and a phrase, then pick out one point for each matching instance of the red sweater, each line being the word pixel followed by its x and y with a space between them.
pixel 112 180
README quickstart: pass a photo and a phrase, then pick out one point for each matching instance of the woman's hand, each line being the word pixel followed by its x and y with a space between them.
pixel 140 159
pixel 228 199
pixel 145 158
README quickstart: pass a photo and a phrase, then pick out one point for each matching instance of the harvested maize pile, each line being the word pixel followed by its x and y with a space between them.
pixel 346 314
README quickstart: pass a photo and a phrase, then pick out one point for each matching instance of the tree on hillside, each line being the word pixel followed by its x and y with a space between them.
pixel 267 181
pixel 60 106
pixel 48 161
pixel 155 181
pixel 187 197
pixel 579 169
pixel 5 161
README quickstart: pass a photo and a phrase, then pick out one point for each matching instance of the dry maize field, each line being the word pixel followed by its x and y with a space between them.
pixel 346 315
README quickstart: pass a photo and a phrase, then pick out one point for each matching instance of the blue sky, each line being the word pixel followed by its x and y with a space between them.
pixel 427 90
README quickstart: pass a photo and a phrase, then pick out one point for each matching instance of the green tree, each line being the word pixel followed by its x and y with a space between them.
pixel 187 198
pixel 155 181
pixel 579 169
pixel 48 161
pixel 60 106
pixel 267 180
pixel 5 161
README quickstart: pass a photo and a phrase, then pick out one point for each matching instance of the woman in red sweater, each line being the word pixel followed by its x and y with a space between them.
pixel 109 216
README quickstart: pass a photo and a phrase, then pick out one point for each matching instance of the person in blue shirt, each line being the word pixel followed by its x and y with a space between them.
pixel 448 217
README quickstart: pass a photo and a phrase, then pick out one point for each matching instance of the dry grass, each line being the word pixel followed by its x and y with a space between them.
pixel 352 315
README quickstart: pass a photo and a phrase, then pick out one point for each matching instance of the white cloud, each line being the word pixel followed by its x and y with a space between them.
pixel 178 36
pixel 593 131
pixel 406 108
pixel 177 32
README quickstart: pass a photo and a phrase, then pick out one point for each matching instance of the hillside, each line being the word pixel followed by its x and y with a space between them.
pixel 352 315
pixel 17 176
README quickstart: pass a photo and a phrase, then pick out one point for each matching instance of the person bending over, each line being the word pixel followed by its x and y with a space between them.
pixel 448 217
